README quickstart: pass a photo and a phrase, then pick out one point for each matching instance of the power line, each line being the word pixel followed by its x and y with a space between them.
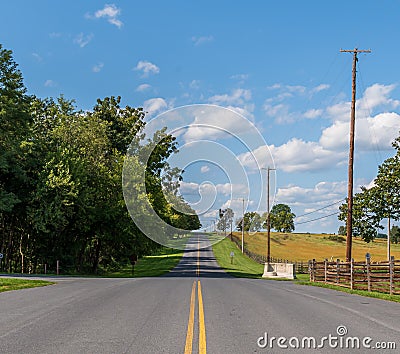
pixel 311 212
pixel 322 217
pixel 371 131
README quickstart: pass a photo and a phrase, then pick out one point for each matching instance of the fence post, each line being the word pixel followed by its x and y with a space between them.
pixel 368 273
pixel 58 267
pixel 325 269
pixel 352 273
pixel 391 271
pixel 311 267
pixel 337 270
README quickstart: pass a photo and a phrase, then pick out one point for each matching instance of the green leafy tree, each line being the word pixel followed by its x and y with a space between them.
pixel 395 234
pixel 225 219
pixel 282 218
pixel 60 180
pixel 252 222
pixel 14 184
pixel 365 223
pixel 342 230
pixel 381 201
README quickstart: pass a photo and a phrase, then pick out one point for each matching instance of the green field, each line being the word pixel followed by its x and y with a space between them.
pixel 7 284
pixel 303 247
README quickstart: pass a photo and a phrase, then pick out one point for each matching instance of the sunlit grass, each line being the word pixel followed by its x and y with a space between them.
pixel 151 266
pixel 241 265
pixel 7 284
pixel 303 247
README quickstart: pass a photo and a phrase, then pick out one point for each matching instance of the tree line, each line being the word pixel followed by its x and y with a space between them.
pixel 60 180
pixel 381 201
pixel 281 220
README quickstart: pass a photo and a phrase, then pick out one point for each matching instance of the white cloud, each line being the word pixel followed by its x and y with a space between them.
pixel 37 57
pixel 228 188
pixel 279 98
pixel 147 68
pixel 83 40
pixel 312 113
pixel 241 77
pixel 339 111
pixel 213 124
pixel 202 39
pixel 322 194
pixel 111 13
pixel 98 67
pixel 280 111
pixel 318 202
pixel 374 96
pixel 154 105
pixel 276 107
pixel 55 35
pixel 320 88
pixel 204 169
pixel 295 155
pixel 371 133
pixel 238 101
pixel 50 83
pixel 194 84
pixel 143 87
pixel 288 88
pixel 237 96
pixel 282 114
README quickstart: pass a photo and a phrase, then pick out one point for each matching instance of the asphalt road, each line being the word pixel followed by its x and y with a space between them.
pixel 196 308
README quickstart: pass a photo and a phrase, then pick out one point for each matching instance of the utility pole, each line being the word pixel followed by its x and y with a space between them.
pixel 268 217
pixel 349 225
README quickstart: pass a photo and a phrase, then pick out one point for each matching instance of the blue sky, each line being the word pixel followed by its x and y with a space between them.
pixel 275 62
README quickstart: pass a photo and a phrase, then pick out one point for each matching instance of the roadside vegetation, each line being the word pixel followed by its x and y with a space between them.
pixel 7 284
pixel 241 265
pixel 150 266
pixel 60 181
pixel 304 279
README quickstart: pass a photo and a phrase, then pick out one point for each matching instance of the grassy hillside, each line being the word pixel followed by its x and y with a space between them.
pixel 302 247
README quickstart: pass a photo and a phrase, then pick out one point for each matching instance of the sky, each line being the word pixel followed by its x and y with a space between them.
pixel 276 64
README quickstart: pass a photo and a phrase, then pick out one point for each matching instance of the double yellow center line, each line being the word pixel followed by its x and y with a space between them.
pixel 202 327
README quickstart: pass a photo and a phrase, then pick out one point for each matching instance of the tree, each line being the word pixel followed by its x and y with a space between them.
pixel 14 184
pixel 395 234
pixel 60 180
pixel 252 222
pixel 282 218
pixel 380 201
pixel 342 230
pixel 14 125
pixel 365 224
pixel 225 219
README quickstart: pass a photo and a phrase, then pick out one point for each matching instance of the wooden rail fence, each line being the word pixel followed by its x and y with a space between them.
pixel 382 277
